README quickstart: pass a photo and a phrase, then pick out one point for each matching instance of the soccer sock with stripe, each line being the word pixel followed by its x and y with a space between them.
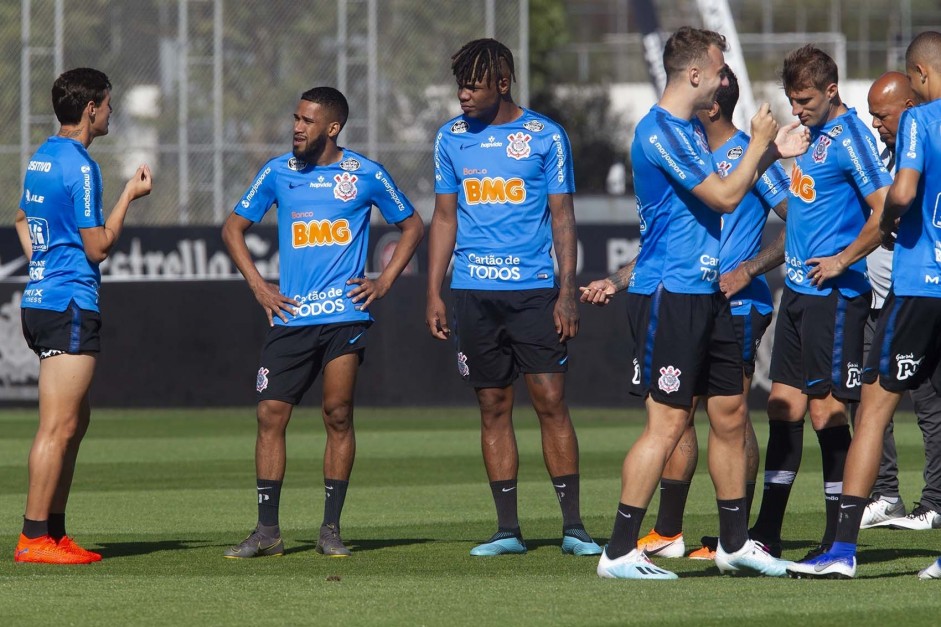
pixel 673 496
pixel 782 461
pixel 269 496
pixel 626 531
pixel 566 490
pixel 504 499
pixel 334 497
pixel 834 445
pixel 733 524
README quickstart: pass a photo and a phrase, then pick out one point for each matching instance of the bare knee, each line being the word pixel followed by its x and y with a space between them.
pixel 495 406
pixel 338 417
pixel 273 418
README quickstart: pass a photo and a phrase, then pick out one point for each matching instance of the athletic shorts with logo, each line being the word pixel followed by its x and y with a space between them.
pixel 906 348
pixel 501 333
pixel 292 357
pixel 73 331
pixel 749 329
pixel 684 345
pixel 818 343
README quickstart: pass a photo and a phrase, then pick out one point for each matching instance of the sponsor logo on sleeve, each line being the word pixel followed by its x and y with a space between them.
pixel 247 201
pixel 534 125
pixel 350 164
pixel 735 153
pixel 459 127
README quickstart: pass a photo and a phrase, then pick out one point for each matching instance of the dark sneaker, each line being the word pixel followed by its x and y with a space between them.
pixel 816 552
pixel 256 544
pixel 773 547
pixel 330 543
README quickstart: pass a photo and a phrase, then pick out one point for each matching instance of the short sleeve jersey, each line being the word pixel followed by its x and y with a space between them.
pixel 916 270
pixel 503 176
pixel 61 196
pixel 827 208
pixel 323 228
pixel 679 234
pixel 742 229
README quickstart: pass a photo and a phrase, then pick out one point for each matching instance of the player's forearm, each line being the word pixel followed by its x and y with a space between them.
pixel 754 162
pixel 767 258
pixel 622 278
pixel 867 241
pixel 22 232
pixel 565 242
pixel 441 237
pixel 234 240
pixel 412 232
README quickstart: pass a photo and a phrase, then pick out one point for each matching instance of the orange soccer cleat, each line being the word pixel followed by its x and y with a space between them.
pixel 656 545
pixel 44 550
pixel 68 544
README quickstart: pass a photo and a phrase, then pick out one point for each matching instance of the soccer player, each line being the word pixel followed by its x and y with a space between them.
pixel 319 316
pixel 65 237
pixel 503 194
pixel 908 334
pixel 890 95
pixel 742 269
pixel 837 192
pixel 679 324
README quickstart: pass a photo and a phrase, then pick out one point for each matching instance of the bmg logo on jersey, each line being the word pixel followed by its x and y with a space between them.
pixel 321 233
pixel 495 190
pixel 802 185
pixel 38 233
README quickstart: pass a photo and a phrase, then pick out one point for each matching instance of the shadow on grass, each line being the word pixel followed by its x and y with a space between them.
pixel 360 545
pixel 126 549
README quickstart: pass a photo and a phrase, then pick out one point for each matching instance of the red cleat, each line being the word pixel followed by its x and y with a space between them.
pixel 44 550
pixel 68 544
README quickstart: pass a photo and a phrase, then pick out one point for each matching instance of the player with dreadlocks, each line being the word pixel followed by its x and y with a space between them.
pixel 503 198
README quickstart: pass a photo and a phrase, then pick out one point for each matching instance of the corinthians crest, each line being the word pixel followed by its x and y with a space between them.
pixel 669 380
pixel 518 148
pixel 345 189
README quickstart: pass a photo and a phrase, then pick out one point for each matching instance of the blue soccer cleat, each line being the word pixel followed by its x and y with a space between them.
pixel 578 542
pixel 634 565
pixel 752 559
pixel 502 543
pixel 826 566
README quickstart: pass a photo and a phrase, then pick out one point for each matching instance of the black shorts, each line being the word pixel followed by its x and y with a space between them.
pixel 73 331
pixel 749 329
pixel 292 357
pixel 906 348
pixel 684 345
pixel 818 343
pixel 501 333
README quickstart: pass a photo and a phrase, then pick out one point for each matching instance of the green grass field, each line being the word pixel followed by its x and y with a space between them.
pixel 162 493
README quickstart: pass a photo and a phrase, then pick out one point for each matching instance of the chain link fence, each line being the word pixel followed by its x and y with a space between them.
pixel 204 90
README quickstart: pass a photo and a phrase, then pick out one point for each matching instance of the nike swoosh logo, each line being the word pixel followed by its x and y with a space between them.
pixel 563 360
pixel 293 185
pixel 11 266
pixel 268 488
pixel 22 552
pixel 730 509
pixel 508 489
pixel 559 486
pixel 466 146
pixel 815 382
pixel 353 341
pixel 329 487
pixel 845 506
pixel 625 515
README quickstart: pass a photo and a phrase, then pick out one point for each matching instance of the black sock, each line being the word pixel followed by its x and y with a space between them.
pixel 57 526
pixel 35 528
pixel 626 531
pixel 269 496
pixel 782 461
pixel 749 498
pixel 334 497
pixel 504 499
pixel 672 504
pixel 851 515
pixel 566 489
pixel 733 524
pixel 834 445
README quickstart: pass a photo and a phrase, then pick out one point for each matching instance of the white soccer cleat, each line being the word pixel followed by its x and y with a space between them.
pixel 921 519
pixel 751 559
pixel 634 565
pixel 932 572
pixel 879 511
pixel 825 566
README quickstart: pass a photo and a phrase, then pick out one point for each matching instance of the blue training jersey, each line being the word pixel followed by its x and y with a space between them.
pixel 827 208
pixel 679 234
pixel 742 229
pixel 503 175
pixel 916 269
pixel 61 195
pixel 323 228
